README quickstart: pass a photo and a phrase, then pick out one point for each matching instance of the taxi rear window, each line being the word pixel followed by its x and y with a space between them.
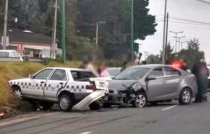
pixel 81 75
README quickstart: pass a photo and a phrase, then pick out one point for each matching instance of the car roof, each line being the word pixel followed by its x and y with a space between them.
pixel 150 66
pixel 66 68
pixel 113 68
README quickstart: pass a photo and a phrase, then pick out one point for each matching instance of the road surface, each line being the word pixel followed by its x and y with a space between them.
pixel 168 118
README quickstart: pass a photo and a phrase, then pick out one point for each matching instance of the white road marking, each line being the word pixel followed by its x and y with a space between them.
pixel 167 108
pixel 86 133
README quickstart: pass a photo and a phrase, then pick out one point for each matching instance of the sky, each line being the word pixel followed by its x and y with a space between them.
pixel 184 9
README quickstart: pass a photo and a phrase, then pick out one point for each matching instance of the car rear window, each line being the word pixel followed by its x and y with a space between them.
pixel 82 75
pixel 4 54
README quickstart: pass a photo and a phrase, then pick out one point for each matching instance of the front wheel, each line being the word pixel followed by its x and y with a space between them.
pixel 65 103
pixel 17 93
pixel 185 96
pixel 140 100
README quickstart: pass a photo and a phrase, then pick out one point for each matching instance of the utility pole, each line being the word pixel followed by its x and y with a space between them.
pixel 176 33
pixel 132 27
pixel 164 33
pixel 63 29
pixel 97 23
pixel 4 43
pixel 179 38
pixel 53 54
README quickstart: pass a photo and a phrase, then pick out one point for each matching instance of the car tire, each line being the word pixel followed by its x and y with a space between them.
pixel 107 105
pixel 17 92
pixel 185 96
pixel 65 103
pixel 95 106
pixel 46 105
pixel 141 100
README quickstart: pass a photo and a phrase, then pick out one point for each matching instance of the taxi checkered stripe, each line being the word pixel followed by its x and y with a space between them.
pixel 25 85
pixel 76 88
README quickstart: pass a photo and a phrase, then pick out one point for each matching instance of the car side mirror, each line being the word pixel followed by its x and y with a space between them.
pixel 30 76
pixel 149 78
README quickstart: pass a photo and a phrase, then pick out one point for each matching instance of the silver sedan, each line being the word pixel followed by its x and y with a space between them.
pixel 153 83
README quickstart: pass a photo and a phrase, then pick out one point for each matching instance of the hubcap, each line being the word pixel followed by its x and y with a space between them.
pixel 18 94
pixel 186 96
pixel 141 100
pixel 64 103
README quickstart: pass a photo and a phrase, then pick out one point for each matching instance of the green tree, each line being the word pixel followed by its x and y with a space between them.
pixel 192 53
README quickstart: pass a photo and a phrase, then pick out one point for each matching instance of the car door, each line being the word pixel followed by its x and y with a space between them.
pixel 37 83
pixel 156 87
pixel 172 79
pixel 58 80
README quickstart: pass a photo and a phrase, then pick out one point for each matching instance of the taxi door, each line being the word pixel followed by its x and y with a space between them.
pixel 57 81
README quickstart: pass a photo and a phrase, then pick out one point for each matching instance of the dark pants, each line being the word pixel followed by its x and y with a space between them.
pixel 202 88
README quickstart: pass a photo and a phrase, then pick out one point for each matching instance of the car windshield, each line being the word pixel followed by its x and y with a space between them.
pixel 133 73
pixel 4 54
pixel 113 71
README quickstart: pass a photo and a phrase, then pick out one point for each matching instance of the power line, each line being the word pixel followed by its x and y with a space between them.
pixel 193 21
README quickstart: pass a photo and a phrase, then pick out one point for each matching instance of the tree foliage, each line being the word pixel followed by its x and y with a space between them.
pixel 81 19
pixel 192 54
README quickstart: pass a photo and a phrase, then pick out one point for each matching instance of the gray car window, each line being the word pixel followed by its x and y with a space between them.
pixel 43 75
pixel 59 75
pixel 157 73
pixel 81 75
pixel 133 73
pixel 4 54
pixel 171 72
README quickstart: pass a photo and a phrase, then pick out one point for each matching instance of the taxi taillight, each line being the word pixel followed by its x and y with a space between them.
pixel 90 87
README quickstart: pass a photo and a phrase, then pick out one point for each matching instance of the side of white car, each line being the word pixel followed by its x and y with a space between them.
pixel 65 86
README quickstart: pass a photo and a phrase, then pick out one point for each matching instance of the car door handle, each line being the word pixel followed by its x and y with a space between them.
pixel 42 82
pixel 61 83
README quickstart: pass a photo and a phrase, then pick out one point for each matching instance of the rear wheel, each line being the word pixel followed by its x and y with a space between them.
pixel 141 100
pixel 65 103
pixel 95 106
pixel 185 96
pixel 46 105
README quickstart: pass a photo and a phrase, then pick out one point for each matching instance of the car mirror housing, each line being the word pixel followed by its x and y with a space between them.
pixel 149 78
pixel 30 76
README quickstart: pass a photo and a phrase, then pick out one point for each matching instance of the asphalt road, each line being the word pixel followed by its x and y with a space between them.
pixel 168 118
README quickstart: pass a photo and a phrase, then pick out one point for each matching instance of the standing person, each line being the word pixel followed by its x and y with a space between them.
pixel 102 71
pixel 184 66
pixel 124 66
pixel 201 72
pixel 90 67
pixel 83 65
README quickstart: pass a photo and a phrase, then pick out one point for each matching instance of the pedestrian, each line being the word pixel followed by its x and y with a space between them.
pixel 184 66
pixel 89 66
pixel 201 72
pixel 102 70
pixel 124 66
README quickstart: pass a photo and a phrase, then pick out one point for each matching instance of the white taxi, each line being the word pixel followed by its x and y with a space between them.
pixel 65 86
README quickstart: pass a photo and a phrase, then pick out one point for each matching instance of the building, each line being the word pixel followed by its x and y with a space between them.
pixel 29 43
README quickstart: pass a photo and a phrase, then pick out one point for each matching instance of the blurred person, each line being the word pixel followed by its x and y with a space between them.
pixel 102 70
pixel 124 66
pixel 200 70
pixel 90 67
pixel 83 65
pixel 184 66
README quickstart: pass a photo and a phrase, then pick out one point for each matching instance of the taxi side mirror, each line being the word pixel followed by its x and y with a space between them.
pixel 30 76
